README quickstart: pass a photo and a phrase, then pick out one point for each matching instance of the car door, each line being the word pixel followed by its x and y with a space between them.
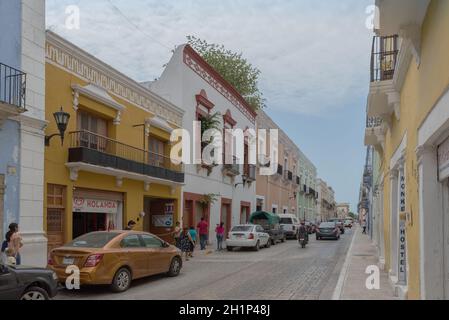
pixel 262 235
pixel 9 287
pixel 158 256
pixel 136 254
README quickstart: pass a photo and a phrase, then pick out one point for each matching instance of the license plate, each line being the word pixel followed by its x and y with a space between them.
pixel 301 239
pixel 68 261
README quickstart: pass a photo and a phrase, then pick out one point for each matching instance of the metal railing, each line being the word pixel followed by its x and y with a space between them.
pixel 384 56
pixel 93 141
pixel 12 86
pixel 373 122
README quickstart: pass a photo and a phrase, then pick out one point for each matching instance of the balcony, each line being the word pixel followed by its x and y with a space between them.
pixel 233 169
pixel 12 91
pixel 280 171
pixel 375 131
pixel 94 153
pixel 383 97
pixel 290 176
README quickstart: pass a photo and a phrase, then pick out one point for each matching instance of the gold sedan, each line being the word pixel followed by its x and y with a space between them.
pixel 116 258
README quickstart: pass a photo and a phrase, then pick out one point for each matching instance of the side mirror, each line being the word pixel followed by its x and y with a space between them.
pixel 165 244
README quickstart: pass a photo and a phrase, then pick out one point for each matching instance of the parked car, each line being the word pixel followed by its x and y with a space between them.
pixel 27 283
pixel 348 224
pixel 290 224
pixel 271 225
pixel 310 227
pixel 248 236
pixel 116 258
pixel 339 223
pixel 328 230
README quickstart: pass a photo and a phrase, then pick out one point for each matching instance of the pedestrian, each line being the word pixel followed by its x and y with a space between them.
pixel 185 243
pixel 14 241
pixel 220 230
pixel 203 230
pixel 177 235
pixel 193 235
pixel 364 226
pixel 131 225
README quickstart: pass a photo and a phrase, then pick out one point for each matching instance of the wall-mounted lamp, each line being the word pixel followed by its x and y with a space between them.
pixel 62 120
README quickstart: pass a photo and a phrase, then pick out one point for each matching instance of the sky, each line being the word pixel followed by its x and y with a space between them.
pixel 314 58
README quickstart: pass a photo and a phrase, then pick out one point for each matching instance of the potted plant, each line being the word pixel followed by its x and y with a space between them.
pixel 208 122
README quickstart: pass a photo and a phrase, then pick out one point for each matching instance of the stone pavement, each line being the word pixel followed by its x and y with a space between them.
pixel 352 282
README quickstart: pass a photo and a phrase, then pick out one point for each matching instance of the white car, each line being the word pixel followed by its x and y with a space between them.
pixel 248 236
pixel 290 224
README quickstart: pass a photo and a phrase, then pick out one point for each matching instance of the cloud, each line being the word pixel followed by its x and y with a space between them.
pixel 314 55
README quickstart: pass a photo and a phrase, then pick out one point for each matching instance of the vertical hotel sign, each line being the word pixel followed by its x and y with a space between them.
pixel 402 274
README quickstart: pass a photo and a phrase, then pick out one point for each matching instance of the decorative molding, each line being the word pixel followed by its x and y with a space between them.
pixel 227 118
pixel 74 60
pixel 394 100
pixel 201 99
pixel 73 174
pixel 160 123
pixel 423 150
pixel 412 34
pixel 146 186
pixel 208 74
pixel 119 182
pixel 76 96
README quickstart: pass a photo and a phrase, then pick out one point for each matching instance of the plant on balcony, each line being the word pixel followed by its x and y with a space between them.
pixel 211 121
pixel 208 199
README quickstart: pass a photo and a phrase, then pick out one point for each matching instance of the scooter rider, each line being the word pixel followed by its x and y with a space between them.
pixel 302 232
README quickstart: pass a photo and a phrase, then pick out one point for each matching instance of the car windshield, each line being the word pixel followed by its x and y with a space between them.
pixel 242 228
pixel 93 240
pixel 286 221
pixel 327 225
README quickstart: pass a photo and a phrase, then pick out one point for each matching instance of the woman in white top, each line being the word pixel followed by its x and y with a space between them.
pixel 14 242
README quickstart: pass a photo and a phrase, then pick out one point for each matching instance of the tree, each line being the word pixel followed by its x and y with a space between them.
pixel 233 68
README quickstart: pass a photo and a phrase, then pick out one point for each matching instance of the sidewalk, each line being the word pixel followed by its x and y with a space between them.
pixel 352 283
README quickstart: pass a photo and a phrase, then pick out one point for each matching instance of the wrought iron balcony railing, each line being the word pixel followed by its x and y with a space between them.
pixel 89 147
pixel 384 56
pixel 12 86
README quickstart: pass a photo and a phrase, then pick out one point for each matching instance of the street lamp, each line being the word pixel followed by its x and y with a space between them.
pixel 62 119
pixel 244 181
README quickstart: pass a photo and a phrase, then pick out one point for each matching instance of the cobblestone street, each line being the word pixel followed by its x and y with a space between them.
pixel 284 272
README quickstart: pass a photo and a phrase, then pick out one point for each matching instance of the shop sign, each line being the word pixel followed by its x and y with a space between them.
pixel 164 221
pixel 402 193
pixel 402 276
pixel 443 160
pixel 95 206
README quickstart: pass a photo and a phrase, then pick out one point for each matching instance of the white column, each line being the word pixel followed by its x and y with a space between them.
pixel 431 225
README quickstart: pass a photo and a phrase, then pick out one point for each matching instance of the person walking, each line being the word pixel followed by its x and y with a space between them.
pixel 177 235
pixel 364 226
pixel 220 230
pixel 14 241
pixel 203 231
pixel 185 241
pixel 193 235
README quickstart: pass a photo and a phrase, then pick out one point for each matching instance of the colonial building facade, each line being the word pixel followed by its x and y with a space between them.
pixel 326 201
pixel 113 165
pixel 218 192
pixel 22 123
pixel 278 193
pixel 308 191
pixel 408 124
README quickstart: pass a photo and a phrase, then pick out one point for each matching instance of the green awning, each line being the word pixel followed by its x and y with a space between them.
pixel 272 219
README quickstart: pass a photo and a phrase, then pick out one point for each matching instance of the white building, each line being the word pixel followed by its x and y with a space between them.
pixel 194 86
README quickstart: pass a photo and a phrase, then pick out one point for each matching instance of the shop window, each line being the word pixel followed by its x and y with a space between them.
pixel 157 152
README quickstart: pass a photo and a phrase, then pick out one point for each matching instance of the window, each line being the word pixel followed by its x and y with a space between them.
pixel 98 129
pixel 55 215
pixel 259 229
pixel 157 150
pixel 151 242
pixel 131 241
pixel 274 210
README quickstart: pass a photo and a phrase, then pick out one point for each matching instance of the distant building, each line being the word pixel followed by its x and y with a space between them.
pixel 343 210
pixel 326 201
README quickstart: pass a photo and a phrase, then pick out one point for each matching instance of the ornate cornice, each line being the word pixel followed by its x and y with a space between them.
pixel 74 60
pixel 208 74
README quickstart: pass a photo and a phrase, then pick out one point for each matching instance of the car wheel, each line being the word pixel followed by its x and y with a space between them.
pixel 121 281
pixel 283 239
pixel 35 293
pixel 257 246
pixel 175 267
pixel 268 243
pixel 229 248
pixel 273 242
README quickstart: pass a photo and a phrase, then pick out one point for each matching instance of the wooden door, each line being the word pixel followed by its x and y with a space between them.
pixel 55 215
pixel 187 218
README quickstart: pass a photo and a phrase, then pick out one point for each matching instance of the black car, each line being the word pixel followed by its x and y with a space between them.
pixel 328 230
pixel 339 223
pixel 27 283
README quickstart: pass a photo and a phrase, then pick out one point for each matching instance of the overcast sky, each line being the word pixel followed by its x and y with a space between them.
pixel 314 57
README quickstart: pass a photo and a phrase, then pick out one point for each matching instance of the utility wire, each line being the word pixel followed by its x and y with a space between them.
pixel 120 12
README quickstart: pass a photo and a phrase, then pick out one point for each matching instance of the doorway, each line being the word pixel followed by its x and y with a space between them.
pixel 226 214
pixel 160 217
pixel 85 222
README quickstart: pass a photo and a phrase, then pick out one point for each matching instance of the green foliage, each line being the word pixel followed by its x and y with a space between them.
pixel 211 121
pixel 207 199
pixel 233 68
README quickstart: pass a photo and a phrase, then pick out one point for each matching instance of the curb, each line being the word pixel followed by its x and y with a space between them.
pixel 344 271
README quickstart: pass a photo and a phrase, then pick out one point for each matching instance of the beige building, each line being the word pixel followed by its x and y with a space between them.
pixel 326 201
pixel 277 193
pixel 343 210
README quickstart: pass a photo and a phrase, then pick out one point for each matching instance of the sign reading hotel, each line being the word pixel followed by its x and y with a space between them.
pixel 443 160
pixel 94 206
pixel 402 276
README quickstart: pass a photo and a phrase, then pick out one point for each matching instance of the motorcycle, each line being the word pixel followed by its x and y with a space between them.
pixel 303 242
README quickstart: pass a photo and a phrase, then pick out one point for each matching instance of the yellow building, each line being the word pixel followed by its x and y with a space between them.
pixel 408 123
pixel 114 165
